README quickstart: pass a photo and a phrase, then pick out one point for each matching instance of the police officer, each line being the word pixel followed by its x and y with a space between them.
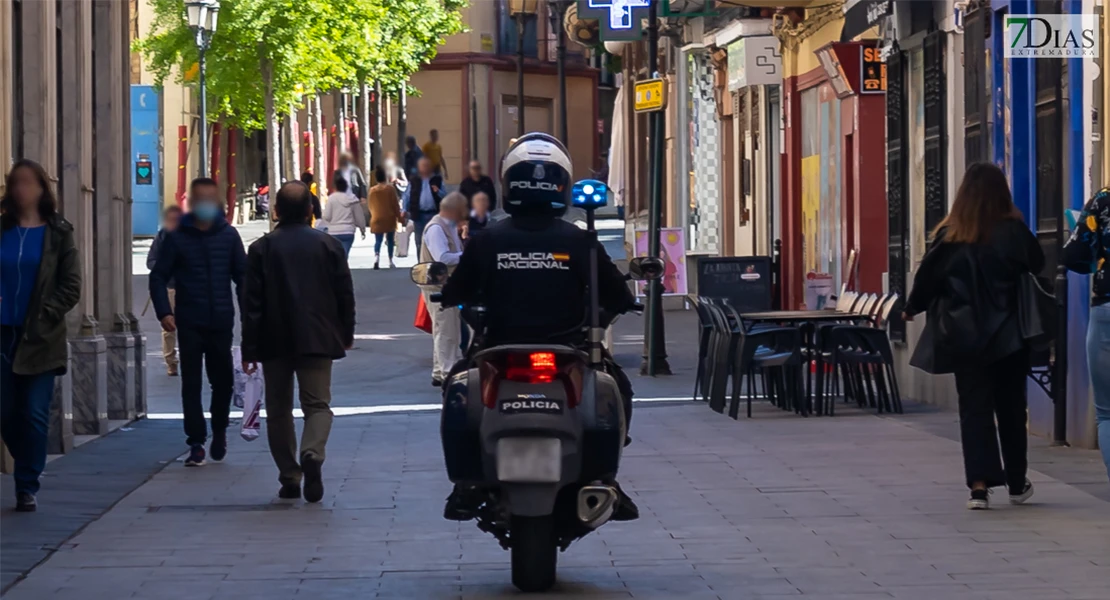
pixel 532 271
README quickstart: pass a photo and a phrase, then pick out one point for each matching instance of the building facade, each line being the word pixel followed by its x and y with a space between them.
pixel 65 102
pixel 469 92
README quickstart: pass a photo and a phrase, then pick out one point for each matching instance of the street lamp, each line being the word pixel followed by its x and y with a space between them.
pixel 202 16
pixel 521 10
pixel 558 14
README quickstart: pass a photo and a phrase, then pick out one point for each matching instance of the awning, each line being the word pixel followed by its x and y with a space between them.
pixel 863 15
pixel 617 160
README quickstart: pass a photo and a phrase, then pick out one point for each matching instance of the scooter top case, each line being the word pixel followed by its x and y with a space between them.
pixel 505 396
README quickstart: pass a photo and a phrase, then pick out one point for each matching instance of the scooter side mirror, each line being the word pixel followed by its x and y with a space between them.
pixel 646 268
pixel 429 273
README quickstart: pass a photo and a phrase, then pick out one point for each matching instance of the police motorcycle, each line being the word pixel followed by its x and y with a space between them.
pixel 535 432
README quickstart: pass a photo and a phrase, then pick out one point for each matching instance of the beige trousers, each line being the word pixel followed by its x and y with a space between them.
pixel 446 336
pixel 169 340
pixel 314 380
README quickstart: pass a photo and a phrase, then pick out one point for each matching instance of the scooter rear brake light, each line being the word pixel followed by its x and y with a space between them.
pixel 537 367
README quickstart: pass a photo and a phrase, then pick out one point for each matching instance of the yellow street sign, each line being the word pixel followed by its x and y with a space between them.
pixel 651 95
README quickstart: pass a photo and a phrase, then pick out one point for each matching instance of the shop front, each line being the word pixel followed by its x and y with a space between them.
pixel 834 199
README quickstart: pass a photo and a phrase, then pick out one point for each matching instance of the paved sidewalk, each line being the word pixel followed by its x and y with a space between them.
pixel 850 507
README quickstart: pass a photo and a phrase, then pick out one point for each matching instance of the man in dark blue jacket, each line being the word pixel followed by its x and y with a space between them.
pixel 203 257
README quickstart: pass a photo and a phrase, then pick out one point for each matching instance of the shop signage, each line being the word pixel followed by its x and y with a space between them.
pixel 744 280
pixel 754 60
pixel 651 95
pixel 872 72
pixel 144 172
pixel 620 20
pixel 864 15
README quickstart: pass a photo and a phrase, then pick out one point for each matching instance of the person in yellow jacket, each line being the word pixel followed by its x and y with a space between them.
pixel 310 181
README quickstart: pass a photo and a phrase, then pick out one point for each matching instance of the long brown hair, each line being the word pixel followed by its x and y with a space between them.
pixel 982 201
pixel 9 209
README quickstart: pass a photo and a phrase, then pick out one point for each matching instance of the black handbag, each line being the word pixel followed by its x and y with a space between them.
pixel 1038 312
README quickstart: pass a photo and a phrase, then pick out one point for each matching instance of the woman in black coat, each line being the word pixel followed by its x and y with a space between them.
pixel 968 285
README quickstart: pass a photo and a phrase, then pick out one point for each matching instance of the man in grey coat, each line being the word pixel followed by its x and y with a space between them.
pixel 170 218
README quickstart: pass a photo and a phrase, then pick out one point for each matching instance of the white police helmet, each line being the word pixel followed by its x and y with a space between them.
pixel 536 176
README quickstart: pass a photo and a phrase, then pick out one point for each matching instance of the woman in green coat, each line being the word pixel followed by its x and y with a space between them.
pixel 40 281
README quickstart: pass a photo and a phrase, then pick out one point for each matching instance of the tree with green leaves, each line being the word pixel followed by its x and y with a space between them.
pixel 267 54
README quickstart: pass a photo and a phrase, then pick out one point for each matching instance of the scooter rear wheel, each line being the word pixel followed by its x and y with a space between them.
pixel 534 552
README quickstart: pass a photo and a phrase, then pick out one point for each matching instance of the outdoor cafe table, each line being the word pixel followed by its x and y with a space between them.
pixel 806 320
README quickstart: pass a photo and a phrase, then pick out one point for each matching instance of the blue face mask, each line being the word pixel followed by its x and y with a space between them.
pixel 206 211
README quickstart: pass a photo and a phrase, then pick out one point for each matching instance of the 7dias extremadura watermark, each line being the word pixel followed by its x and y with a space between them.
pixel 1051 36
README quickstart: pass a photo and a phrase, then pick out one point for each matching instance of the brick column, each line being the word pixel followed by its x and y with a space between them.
pixel 135 402
pixel 88 358
pixel 5 136
pixel 38 118
pixel 109 152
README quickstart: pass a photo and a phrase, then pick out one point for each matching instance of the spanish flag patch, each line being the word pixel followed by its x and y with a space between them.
pixel 560 257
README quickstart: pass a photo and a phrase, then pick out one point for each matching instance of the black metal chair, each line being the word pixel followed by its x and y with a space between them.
pixel 720 348
pixel 705 341
pixel 864 359
pixel 776 352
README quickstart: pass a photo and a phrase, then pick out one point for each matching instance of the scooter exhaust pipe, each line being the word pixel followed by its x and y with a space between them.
pixel 596 504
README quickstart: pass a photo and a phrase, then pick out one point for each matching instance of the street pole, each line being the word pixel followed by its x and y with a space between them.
pixel 201 44
pixel 558 15
pixel 655 342
pixel 520 75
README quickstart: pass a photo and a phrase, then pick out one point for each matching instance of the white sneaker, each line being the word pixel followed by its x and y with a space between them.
pixel 980 500
pixel 1026 493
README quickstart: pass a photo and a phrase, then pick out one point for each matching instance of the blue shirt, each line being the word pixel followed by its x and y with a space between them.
pixel 20 255
pixel 427 201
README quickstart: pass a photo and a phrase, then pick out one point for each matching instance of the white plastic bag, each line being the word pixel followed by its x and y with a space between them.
pixel 403 237
pixel 248 395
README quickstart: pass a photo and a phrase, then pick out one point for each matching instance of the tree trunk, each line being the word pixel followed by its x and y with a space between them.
pixel 341 123
pixel 323 178
pixel 232 187
pixel 379 103
pixel 366 143
pixel 273 138
pixel 402 121
pixel 294 143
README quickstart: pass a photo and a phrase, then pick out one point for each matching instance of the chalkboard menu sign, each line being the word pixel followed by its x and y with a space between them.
pixel 744 280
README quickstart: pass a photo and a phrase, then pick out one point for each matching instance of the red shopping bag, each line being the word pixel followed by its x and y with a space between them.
pixel 423 320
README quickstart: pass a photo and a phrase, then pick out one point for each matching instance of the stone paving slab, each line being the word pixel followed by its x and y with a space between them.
pixel 774 507
pixel 78 488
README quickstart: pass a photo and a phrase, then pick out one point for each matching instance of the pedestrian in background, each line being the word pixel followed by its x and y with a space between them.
pixel 1086 252
pixel 434 152
pixel 344 214
pixel 425 194
pixel 171 217
pixel 413 154
pixel 479 214
pixel 40 281
pixel 477 182
pixel 309 180
pixel 968 282
pixel 385 215
pixel 442 245
pixel 395 174
pixel 356 181
pixel 203 258
pixel 292 271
